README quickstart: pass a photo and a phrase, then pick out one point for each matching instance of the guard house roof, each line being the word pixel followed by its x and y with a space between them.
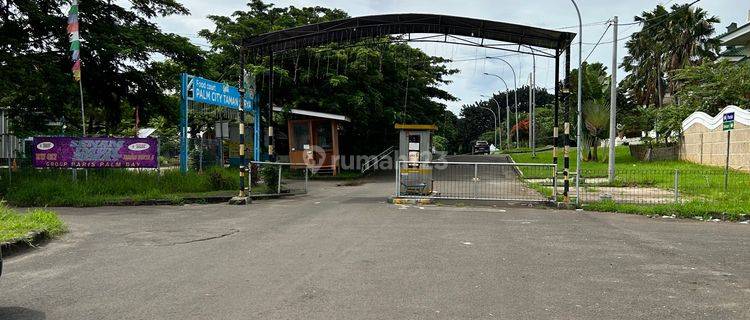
pixel 402 126
pixel 355 29
pixel 315 114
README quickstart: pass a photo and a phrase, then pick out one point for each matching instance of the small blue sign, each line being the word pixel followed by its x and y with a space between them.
pixel 220 94
pixel 729 116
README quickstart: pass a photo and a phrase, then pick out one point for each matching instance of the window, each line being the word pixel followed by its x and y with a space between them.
pixel 301 135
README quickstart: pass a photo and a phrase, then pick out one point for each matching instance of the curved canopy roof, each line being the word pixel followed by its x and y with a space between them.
pixel 354 29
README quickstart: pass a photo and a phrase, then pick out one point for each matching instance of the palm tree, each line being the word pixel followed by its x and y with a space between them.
pixel 596 120
pixel 669 40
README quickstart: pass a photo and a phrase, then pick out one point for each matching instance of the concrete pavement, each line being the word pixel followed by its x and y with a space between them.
pixel 344 253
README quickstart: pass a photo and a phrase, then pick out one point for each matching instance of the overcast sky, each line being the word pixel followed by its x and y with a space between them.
pixel 470 83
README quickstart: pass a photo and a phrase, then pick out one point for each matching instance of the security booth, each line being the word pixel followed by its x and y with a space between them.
pixel 415 148
pixel 314 140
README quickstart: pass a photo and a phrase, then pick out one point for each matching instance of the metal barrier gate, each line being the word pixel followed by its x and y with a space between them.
pixel 477 180
pixel 277 178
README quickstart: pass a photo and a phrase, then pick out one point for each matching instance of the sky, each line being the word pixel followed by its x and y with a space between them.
pixel 470 83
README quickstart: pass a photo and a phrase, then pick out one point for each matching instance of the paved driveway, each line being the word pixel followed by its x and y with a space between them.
pixel 343 253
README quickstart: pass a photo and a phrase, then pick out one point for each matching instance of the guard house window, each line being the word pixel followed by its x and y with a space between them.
pixel 301 136
pixel 323 136
pixel 413 154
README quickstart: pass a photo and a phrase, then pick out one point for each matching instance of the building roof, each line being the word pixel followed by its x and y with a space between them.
pixel 736 37
pixel 315 114
pixel 402 126
pixel 355 29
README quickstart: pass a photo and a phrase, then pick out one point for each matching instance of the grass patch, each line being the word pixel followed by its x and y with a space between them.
pixel 49 187
pixel 691 209
pixel 701 187
pixel 16 225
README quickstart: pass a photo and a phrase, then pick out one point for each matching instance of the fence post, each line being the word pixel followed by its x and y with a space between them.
pixel 398 178
pixel 249 177
pixel 554 184
pixel 476 182
pixel 676 186
pixel 278 183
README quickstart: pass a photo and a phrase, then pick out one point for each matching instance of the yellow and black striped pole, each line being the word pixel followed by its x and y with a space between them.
pixel 241 89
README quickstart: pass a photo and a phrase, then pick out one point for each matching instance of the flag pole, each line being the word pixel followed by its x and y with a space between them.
pixel 83 116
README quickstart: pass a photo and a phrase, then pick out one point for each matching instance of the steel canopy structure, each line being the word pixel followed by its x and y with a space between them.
pixel 452 29
pixel 433 28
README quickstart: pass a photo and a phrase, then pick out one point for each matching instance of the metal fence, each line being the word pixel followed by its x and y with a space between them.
pixel 277 178
pixel 476 180
pixel 663 186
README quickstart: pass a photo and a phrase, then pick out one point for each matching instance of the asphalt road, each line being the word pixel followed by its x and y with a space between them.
pixel 343 253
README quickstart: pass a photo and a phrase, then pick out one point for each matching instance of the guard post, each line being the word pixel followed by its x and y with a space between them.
pixel 415 149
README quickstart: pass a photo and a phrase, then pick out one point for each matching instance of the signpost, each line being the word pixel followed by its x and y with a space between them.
pixel 201 90
pixel 728 126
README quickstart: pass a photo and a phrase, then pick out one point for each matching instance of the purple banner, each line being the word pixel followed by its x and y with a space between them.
pixel 76 152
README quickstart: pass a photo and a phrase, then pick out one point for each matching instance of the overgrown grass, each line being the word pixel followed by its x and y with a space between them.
pixel 702 186
pixel 57 188
pixel 16 225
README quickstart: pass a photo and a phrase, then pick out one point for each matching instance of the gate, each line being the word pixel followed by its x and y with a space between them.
pixel 530 182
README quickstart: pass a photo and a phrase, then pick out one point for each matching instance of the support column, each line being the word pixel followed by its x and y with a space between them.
pixel 241 89
pixel 557 106
pixel 271 156
pixel 183 123
pixel 566 134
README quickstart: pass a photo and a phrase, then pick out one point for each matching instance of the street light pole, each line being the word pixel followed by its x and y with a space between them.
pixel 579 120
pixel 507 109
pixel 515 93
pixel 495 128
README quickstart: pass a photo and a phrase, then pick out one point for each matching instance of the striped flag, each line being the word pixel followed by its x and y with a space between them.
pixel 75 40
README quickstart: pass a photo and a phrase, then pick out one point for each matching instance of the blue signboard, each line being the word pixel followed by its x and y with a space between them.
pixel 220 94
pixel 729 116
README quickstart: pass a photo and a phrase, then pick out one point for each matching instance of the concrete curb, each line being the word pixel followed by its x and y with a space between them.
pixel 415 201
pixel 32 240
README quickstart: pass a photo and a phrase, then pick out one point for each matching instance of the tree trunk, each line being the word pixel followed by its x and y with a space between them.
pixel 593 146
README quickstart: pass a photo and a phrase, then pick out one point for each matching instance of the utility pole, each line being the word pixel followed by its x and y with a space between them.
pixel 579 121
pixel 613 105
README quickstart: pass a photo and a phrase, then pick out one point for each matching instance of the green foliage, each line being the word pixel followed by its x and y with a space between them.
pixel 668 40
pixel 712 86
pixel 116 69
pixel 596 123
pixel 440 143
pixel 56 187
pixel 270 176
pixel 15 225
pixel 669 119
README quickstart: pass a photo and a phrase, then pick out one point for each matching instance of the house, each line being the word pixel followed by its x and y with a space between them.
pixel 736 42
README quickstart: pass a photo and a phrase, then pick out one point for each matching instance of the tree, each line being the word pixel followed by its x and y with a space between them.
pixel 712 86
pixel 669 40
pixel 596 121
pixel 118 45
